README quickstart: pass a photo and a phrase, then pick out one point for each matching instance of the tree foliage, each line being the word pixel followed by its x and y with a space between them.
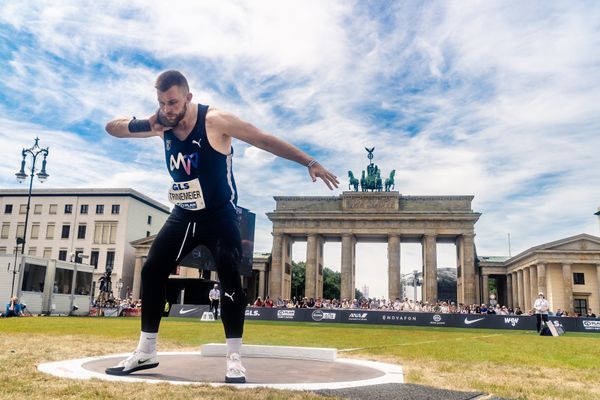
pixel 332 281
pixel 298 278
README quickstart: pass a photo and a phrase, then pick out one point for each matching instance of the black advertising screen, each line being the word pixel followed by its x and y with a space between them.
pixel 201 258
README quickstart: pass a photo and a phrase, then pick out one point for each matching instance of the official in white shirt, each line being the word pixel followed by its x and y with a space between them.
pixel 214 296
pixel 541 307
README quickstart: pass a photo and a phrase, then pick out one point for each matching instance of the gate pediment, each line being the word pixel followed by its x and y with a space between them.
pixel 574 243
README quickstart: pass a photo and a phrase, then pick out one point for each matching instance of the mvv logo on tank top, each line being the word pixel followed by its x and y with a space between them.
pixel 186 161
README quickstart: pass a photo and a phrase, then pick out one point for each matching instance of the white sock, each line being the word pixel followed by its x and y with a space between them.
pixel 147 343
pixel 234 345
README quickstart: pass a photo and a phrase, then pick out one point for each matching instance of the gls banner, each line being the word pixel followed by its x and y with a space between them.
pixel 358 316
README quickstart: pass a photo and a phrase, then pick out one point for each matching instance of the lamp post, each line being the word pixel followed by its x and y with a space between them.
pixel 34 152
pixel 412 279
pixel 15 269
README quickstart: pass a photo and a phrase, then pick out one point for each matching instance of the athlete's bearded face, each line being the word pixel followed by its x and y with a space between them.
pixel 173 106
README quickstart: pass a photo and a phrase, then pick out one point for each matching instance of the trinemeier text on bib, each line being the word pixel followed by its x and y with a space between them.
pixel 187 195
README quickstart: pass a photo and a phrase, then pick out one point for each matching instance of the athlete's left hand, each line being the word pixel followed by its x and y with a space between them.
pixel 318 171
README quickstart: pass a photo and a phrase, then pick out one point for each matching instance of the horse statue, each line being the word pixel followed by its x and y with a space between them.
pixel 353 182
pixel 378 182
pixel 389 182
pixel 363 182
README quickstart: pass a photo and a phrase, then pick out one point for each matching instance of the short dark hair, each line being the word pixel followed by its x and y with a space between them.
pixel 171 78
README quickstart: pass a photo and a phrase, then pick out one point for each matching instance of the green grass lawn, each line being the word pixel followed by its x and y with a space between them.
pixel 514 364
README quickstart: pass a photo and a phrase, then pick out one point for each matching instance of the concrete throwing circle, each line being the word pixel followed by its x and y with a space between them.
pixel 261 371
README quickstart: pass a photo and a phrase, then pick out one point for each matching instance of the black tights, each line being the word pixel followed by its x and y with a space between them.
pixel 182 232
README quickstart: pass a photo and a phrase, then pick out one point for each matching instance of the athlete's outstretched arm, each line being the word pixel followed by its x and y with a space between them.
pixel 230 125
pixel 122 128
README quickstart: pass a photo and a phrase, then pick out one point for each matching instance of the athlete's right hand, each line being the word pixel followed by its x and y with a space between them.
pixel 156 126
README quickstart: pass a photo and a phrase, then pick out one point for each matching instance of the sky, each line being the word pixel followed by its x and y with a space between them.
pixel 495 99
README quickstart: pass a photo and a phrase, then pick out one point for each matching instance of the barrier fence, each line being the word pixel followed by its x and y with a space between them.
pixel 513 322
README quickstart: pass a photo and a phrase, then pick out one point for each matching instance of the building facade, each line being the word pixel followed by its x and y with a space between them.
pixel 89 226
pixel 567 271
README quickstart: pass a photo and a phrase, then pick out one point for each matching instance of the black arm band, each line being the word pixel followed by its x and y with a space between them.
pixel 139 125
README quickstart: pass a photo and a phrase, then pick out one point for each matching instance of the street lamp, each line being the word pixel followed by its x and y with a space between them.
pixel 33 151
pixel 15 269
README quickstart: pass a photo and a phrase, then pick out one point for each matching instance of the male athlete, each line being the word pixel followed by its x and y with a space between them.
pixel 197 142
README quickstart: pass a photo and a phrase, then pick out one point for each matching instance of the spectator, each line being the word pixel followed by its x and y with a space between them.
pixel 318 303
pixel 14 308
pixel 559 312
pixel 444 309
pixel 268 302
pixel 590 314
pixel 258 302
pixel 518 311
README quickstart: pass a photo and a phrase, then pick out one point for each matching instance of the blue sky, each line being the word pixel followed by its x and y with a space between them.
pixel 496 99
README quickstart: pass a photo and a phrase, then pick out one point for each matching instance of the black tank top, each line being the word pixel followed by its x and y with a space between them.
pixel 202 177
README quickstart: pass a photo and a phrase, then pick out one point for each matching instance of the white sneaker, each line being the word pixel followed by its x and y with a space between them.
pixel 135 362
pixel 236 373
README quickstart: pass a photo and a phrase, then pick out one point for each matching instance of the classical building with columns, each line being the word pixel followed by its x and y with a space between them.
pixel 567 271
pixel 373 217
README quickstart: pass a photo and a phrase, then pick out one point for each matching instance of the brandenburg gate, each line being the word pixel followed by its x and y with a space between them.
pixel 387 217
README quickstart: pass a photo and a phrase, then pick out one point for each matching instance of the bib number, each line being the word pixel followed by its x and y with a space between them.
pixel 187 195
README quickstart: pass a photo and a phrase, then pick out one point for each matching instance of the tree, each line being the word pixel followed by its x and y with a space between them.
pixel 332 282
pixel 358 294
pixel 298 278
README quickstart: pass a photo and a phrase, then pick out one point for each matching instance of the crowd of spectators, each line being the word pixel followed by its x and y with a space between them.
pixel 124 307
pixel 406 305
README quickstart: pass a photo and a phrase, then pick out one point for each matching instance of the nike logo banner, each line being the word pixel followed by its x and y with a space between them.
pixel 188 310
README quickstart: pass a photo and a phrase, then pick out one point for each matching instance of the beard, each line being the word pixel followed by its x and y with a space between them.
pixel 162 119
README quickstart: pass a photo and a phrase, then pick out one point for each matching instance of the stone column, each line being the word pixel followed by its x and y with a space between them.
pixel 430 292
pixel 568 287
pixel 347 267
pixel 541 279
pixel 277 268
pixel 509 291
pixel 485 290
pixel 520 294
pixel 468 271
pixel 393 267
pixel 310 285
pixel 515 293
pixel 533 280
pixel 261 285
pixel 287 267
pixel 597 310
pixel 460 264
pixel 137 278
pixel 526 291
pixel 320 245
pixel 354 240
